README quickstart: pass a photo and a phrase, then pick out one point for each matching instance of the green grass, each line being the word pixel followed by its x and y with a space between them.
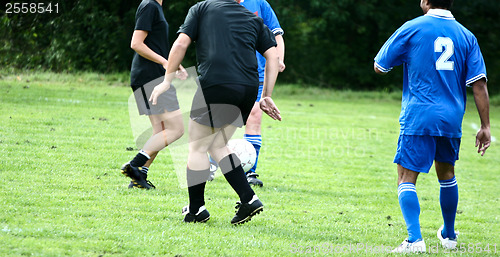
pixel 327 168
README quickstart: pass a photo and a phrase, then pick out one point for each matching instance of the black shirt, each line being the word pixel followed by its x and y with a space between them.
pixel 226 36
pixel 149 17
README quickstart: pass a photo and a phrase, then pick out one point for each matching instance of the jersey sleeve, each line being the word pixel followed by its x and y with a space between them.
pixel 190 26
pixel 393 52
pixel 265 39
pixel 145 17
pixel 475 67
pixel 270 19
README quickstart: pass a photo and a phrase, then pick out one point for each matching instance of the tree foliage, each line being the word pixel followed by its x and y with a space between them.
pixel 328 43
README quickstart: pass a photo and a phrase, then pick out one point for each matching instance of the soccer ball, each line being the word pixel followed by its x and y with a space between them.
pixel 245 151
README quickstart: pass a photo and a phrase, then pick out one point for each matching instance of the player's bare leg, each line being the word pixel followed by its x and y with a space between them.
pixel 218 149
pixel 406 175
pixel 202 139
pixel 448 199
pixel 408 201
pixel 253 126
pixel 168 127
pixel 150 161
pixel 157 128
pixel 444 170
pixel 198 171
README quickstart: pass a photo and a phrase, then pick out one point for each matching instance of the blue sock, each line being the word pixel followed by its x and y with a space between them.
pixel 256 141
pixel 408 201
pixel 448 198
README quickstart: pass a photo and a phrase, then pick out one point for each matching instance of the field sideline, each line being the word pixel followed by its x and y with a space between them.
pixel 329 182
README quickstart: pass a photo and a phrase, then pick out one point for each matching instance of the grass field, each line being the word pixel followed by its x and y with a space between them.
pixel 329 182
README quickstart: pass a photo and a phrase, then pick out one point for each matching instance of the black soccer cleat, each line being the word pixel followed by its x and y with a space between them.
pixel 245 211
pixel 138 176
pixel 253 180
pixel 202 216
pixel 134 184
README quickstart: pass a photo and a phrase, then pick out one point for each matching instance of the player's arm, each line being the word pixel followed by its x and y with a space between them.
pixel 376 69
pixel 481 97
pixel 175 58
pixel 270 74
pixel 281 51
pixel 138 45
pixel 271 21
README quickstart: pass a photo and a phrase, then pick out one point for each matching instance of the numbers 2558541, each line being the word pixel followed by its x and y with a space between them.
pixel 32 8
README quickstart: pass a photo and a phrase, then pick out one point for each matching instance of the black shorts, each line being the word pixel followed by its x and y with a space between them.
pixel 166 101
pixel 221 105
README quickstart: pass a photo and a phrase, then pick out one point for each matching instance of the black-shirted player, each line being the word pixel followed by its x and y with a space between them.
pixel 151 46
pixel 227 36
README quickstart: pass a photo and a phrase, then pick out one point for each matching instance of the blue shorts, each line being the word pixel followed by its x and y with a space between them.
pixel 259 95
pixel 417 153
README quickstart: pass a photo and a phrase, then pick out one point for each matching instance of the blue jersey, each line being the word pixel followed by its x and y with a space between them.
pixel 262 9
pixel 440 58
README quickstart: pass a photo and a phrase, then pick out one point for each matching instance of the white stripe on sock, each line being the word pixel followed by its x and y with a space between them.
pixel 406 187
pixel 145 154
pixel 451 185
pixel 406 190
pixel 254 198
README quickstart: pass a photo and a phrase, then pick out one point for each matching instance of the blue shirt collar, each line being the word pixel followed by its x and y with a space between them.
pixel 440 13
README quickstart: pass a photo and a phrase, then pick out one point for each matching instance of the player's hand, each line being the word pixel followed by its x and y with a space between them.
pixel 157 91
pixel 267 105
pixel 181 73
pixel 282 65
pixel 483 140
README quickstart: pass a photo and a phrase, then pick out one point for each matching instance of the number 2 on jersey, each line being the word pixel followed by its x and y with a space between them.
pixel 443 62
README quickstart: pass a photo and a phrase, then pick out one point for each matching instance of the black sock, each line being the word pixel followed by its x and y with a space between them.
pixel 140 159
pixel 196 180
pixel 234 174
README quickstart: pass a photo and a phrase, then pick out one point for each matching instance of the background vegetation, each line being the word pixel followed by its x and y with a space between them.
pixel 329 43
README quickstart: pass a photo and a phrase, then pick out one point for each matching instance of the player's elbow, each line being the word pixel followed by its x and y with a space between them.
pixel 271 54
pixel 134 45
pixel 181 45
pixel 182 42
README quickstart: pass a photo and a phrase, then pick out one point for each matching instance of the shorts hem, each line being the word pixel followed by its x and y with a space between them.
pixel 411 167
pixel 449 162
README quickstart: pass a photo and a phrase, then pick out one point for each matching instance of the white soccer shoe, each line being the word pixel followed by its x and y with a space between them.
pixel 407 247
pixel 447 243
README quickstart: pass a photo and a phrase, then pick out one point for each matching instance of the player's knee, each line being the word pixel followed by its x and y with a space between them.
pixel 176 131
pixel 217 153
pixel 198 148
pixel 445 174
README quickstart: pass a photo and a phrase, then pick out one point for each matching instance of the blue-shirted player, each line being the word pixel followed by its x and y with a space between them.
pixel 253 132
pixel 440 58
